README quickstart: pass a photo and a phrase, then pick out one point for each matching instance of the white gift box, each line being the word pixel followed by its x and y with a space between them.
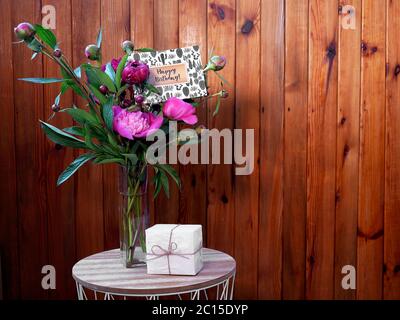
pixel 174 249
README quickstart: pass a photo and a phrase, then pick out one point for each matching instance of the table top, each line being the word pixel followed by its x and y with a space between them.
pixel 104 272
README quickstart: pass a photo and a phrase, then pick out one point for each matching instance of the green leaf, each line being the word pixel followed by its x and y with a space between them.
pixel 151 88
pixel 164 183
pixel 98 94
pixel 46 35
pixel 60 137
pixel 108 114
pixel 110 71
pixel 42 80
pixel 118 74
pixel 88 139
pixel 99 38
pixel 81 116
pixel 157 183
pixel 74 166
pixel 132 157
pixel 97 78
pixel 112 160
pixel 71 84
pixel 145 50
pixel 171 172
pixel 78 131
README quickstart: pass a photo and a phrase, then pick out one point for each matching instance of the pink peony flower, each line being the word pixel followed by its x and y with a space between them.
pixel 135 72
pixel 114 64
pixel 136 124
pixel 178 109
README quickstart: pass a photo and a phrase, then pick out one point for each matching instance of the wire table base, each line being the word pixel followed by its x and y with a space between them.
pixel 102 277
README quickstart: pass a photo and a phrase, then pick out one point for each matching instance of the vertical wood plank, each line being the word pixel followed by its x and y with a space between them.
pixel 166 36
pixel 115 22
pixel 371 182
pixel 271 149
pixel 392 179
pixel 142 34
pixel 247 116
pixel 322 104
pixel 8 187
pixel 60 200
pixel 89 179
pixel 193 196
pixel 347 153
pixel 30 157
pixel 295 153
pixel 221 200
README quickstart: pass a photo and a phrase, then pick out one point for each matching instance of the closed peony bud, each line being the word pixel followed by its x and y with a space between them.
pixel 139 99
pixel 103 89
pixel 92 52
pixel 55 107
pixel 216 63
pixel 24 31
pixel 57 53
pixel 128 46
pixel 224 94
pixel 135 72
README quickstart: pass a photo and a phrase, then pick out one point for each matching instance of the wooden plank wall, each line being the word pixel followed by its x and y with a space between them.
pixel 324 104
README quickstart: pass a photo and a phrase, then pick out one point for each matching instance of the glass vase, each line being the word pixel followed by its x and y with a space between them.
pixel 134 214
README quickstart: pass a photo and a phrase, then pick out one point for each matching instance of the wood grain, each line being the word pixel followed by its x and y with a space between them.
pixel 166 36
pixel 31 159
pixel 193 31
pixel 323 102
pixel 271 149
pixel 60 200
pixel 295 152
pixel 347 153
pixel 103 272
pixel 89 179
pixel 115 15
pixel 372 154
pixel 247 186
pixel 392 177
pixel 8 200
pixel 321 163
pixel 220 179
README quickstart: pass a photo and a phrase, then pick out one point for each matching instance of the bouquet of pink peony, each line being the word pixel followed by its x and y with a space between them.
pixel 121 110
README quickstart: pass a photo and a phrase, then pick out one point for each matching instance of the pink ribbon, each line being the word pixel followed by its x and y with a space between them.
pixel 172 246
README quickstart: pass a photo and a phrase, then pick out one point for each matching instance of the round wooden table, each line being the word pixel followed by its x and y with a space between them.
pixel 104 276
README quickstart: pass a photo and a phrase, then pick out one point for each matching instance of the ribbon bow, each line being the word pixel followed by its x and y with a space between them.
pixel 172 246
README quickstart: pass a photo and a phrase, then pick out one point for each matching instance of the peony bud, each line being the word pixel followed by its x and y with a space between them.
pixel 24 31
pixel 92 52
pixel 128 46
pixel 103 89
pixel 55 107
pixel 135 72
pixel 139 99
pixel 57 53
pixel 216 63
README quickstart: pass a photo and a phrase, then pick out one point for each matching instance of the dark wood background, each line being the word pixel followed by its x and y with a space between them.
pixel 324 102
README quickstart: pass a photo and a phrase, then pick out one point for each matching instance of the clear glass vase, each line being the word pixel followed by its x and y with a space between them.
pixel 134 214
